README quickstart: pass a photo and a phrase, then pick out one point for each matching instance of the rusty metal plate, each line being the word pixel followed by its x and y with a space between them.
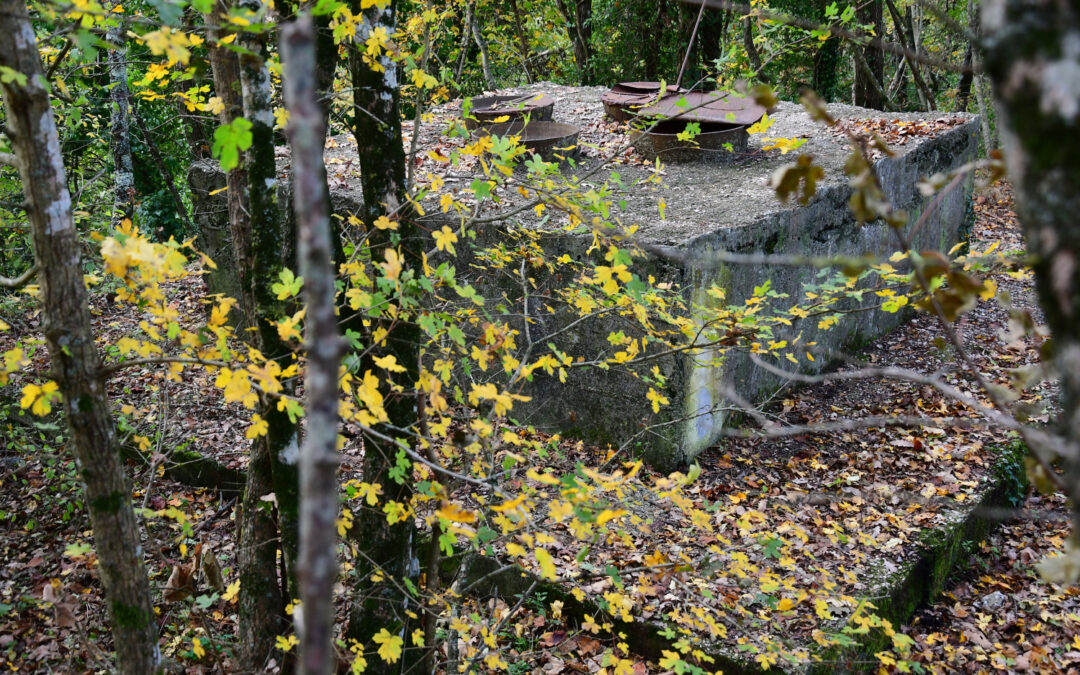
pixel 715 143
pixel 712 106
pixel 547 139
pixel 622 100
pixel 486 109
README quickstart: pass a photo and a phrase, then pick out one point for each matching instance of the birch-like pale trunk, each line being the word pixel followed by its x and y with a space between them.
pixel 317 566
pixel 262 263
pixel 1032 54
pixel 73 354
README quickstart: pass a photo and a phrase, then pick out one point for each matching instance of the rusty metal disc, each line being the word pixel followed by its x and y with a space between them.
pixel 544 138
pixel 486 109
pixel 622 101
pixel 712 106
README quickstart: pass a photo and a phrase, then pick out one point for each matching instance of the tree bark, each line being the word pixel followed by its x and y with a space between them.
pixel 261 601
pixel 382 169
pixel 870 72
pixel 120 125
pixel 74 357
pixel 317 565
pixel 481 44
pixel 578 15
pixel 523 40
pixel 1032 54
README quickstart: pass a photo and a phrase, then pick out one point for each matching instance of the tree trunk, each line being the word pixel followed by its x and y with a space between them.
pixel 120 125
pixel 752 52
pixel 523 40
pixel 226 74
pixel 481 44
pixel 317 565
pixel 261 606
pixel 382 170
pixel 869 92
pixel 275 456
pixel 578 15
pixel 1032 54
pixel 74 357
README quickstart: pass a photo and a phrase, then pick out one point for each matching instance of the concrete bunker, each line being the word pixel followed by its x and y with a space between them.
pixel 710 207
pixel 729 207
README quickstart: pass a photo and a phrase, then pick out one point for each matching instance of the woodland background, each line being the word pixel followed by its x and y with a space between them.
pixel 284 438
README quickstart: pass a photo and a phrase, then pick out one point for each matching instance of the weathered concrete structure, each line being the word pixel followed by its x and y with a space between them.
pixel 710 207
pixel 731 207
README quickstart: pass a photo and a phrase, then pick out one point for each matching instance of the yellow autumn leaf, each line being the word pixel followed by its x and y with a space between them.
pixel 258 427
pixel 547 565
pixel 39 398
pixel 197 648
pixel 231 592
pixel 389 362
pixel 455 513
pixel 445 240
pixel 392 266
pixel 384 223
pixel 286 644
pixel 389 645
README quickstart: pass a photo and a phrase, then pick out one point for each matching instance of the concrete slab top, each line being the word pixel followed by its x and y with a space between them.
pixel 700 197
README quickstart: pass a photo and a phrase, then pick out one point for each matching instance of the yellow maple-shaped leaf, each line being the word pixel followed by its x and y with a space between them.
pixel 197 648
pixel 455 514
pixel 389 362
pixel 39 398
pixel 445 240
pixel 547 564
pixel 393 264
pixel 286 644
pixel 258 427
pixel 231 592
pixel 384 223
pixel 389 645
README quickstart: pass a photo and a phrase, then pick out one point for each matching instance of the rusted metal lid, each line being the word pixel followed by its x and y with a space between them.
pixel 544 138
pixel 706 106
pixel 622 100
pixel 488 108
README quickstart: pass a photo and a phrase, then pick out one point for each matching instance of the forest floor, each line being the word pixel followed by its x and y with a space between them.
pixel 827 510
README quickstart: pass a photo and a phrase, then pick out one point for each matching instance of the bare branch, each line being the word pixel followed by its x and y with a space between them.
pixel 19 281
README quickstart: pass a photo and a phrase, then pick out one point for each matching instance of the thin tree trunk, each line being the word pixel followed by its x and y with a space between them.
pixel 466 36
pixel 317 565
pixel 385 547
pixel 261 603
pixel 523 40
pixel 279 449
pixel 752 52
pixel 578 15
pixel 481 43
pixel 74 357
pixel 1032 57
pixel 908 41
pixel 163 169
pixel 879 100
pixel 870 60
pixel 120 126
pixel 225 67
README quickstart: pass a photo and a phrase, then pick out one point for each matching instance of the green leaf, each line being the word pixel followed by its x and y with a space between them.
pixel 9 75
pixel 230 140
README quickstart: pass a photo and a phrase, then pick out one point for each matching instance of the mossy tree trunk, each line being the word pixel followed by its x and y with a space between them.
pixel 1032 53
pixel 74 357
pixel 377 121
